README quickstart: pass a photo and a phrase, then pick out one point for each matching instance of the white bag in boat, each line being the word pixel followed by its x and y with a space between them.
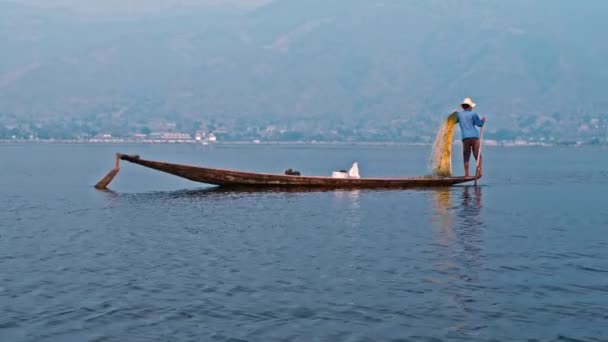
pixel 339 174
pixel 354 171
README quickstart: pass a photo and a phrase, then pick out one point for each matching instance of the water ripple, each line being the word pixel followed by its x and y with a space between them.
pixel 518 258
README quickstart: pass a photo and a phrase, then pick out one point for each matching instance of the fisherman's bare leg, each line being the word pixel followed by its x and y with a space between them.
pixel 467 148
pixel 476 146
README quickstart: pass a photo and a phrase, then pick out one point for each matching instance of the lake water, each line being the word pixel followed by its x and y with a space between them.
pixel 524 256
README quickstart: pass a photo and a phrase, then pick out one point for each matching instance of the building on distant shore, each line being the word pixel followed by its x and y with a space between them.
pixel 170 136
pixel 102 137
pixel 105 138
pixel 202 136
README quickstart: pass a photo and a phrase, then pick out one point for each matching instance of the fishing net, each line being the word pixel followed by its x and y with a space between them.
pixel 441 155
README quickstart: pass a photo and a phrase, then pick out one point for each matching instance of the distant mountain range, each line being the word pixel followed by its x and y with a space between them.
pixel 539 63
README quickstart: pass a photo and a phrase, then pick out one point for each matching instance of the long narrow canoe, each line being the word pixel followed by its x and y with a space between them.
pixel 231 178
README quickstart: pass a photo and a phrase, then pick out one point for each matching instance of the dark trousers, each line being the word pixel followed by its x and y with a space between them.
pixel 470 145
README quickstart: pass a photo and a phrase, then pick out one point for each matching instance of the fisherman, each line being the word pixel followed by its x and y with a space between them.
pixel 467 120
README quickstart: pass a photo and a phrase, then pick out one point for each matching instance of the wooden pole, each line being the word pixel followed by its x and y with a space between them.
pixel 105 181
pixel 479 161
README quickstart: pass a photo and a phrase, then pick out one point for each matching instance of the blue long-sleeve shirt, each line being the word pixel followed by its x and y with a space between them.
pixel 467 121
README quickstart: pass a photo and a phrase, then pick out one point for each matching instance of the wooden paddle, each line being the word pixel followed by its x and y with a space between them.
pixel 105 181
pixel 479 162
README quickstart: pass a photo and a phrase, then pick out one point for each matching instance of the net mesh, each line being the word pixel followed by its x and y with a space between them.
pixel 441 154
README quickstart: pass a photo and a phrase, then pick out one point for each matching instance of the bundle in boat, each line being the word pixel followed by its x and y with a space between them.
pixel 352 173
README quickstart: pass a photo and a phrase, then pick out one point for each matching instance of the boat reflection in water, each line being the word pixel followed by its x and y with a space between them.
pixel 351 201
pixel 443 217
pixel 458 224
pixel 459 249
pixel 470 227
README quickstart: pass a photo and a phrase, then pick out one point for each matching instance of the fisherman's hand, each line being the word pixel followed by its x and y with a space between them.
pixel 483 119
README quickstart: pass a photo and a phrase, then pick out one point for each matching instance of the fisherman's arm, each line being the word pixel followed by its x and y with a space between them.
pixel 479 122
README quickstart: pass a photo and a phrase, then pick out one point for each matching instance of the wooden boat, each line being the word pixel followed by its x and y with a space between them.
pixel 231 178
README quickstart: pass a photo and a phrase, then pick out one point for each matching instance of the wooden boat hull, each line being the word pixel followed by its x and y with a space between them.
pixel 231 178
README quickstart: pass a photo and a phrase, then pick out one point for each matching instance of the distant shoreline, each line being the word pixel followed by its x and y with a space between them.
pixel 135 142
pixel 491 143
